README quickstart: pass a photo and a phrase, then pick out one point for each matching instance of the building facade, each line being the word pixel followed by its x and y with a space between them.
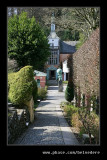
pixel 65 70
pixel 40 78
pixel 60 51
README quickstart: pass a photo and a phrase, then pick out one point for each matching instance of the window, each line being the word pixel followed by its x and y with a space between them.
pixel 53 59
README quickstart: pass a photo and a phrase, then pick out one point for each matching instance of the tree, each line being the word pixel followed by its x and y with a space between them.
pixel 74 19
pixel 27 43
pixel 81 41
pixel 86 19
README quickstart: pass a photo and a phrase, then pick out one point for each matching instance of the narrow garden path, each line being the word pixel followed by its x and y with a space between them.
pixel 50 126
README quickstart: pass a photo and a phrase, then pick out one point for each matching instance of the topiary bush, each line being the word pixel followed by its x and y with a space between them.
pixel 22 86
pixel 69 92
pixel 10 78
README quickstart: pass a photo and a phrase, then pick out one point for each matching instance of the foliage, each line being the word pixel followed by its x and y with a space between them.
pixel 87 19
pixel 75 121
pixel 67 35
pixel 81 41
pixel 42 93
pixel 27 43
pixel 69 21
pixel 22 86
pixel 34 91
pixel 10 78
pixel 70 110
pixel 65 82
pixel 95 103
pixel 85 121
pixel 90 123
pixel 95 127
pixel 69 92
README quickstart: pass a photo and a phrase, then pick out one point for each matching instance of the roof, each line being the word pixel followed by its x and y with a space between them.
pixel 67 46
pixel 53 35
pixel 38 73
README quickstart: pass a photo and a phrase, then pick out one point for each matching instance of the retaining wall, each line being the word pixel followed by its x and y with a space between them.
pixel 17 119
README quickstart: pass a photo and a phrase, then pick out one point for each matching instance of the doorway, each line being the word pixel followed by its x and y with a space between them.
pixel 52 75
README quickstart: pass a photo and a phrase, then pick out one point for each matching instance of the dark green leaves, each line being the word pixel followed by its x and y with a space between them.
pixel 27 43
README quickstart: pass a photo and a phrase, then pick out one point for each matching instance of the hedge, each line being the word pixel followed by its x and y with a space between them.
pixel 22 86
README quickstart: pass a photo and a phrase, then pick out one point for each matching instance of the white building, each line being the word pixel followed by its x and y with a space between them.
pixel 65 70
pixel 60 50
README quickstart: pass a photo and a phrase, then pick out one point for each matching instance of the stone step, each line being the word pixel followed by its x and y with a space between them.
pixel 52 83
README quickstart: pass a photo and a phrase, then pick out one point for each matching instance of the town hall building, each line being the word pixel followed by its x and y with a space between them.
pixel 60 51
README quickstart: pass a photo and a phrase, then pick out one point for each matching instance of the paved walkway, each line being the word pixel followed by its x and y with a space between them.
pixel 49 127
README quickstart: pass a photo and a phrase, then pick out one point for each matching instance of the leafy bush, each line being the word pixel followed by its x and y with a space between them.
pixel 75 121
pixel 90 122
pixel 95 127
pixel 35 90
pixel 85 122
pixel 69 92
pixel 81 41
pixel 10 78
pixel 65 82
pixel 70 110
pixel 42 93
pixel 22 86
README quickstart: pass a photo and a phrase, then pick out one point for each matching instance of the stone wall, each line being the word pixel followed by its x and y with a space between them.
pixel 86 66
pixel 17 119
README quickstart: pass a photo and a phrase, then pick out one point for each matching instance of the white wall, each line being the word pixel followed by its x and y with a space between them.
pixel 65 69
pixel 55 41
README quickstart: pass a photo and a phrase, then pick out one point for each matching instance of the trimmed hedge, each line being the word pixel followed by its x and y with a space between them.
pixel 22 86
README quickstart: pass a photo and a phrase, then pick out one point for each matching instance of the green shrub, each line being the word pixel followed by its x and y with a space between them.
pixel 95 127
pixel 69 92
pixel 35 90
pixel 82 131
pixel 10 78
pixel 75 121
pixel 22 86
pixel 90 122
pixel 42 93
pixel 70 110
pixel 65 82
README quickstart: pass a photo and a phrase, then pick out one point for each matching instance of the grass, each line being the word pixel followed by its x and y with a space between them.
pixel 65 82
